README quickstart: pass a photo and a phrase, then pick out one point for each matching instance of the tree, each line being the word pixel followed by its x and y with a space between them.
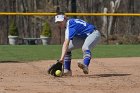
pixel 46 30
pixel 13 29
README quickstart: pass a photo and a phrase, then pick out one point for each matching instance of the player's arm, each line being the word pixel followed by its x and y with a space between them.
pixel 66 42
pixel 64 49
pixel 59 64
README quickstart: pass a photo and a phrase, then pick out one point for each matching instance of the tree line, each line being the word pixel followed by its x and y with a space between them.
pixel 112 28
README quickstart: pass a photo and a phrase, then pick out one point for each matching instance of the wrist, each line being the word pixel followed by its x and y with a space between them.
pixel 61 60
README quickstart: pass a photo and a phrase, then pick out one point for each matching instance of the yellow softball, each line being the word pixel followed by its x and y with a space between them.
pixel 58 72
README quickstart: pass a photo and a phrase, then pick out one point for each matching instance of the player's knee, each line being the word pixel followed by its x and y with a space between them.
pixel 68 55
pixel 87 53
pixel 85 48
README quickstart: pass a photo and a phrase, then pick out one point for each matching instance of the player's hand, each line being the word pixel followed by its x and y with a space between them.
pixel 57 66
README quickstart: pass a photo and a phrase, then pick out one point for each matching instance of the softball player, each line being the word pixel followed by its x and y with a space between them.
pixel 78 34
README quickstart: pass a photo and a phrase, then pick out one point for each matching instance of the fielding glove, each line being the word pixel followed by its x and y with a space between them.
pixel 57 66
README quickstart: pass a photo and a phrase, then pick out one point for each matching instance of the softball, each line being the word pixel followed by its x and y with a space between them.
pixel 58 73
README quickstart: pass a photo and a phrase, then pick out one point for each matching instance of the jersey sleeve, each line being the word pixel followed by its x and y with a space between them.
pixel 70 31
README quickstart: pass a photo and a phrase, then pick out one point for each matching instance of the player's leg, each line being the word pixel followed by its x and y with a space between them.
pixel 67 59
pixel 67 64
pixel 86 61
pixel 90 42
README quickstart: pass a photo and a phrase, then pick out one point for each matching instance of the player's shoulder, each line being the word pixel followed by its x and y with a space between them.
pixel 71 21
pixel 74 21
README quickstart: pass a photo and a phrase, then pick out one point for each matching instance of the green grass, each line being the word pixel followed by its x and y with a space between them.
pixel 106 51
pixel 52 52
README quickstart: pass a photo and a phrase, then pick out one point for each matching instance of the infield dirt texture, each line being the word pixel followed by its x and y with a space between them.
pixel 106 75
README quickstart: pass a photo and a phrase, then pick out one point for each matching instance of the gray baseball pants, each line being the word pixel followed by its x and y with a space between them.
pixel 86 44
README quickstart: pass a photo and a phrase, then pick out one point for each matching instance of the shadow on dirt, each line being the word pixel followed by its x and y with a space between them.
pixel 7 61
pixel 103 75
pixel 111 75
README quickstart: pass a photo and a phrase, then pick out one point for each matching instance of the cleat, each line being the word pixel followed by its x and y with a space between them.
pixel 67 72
pixel 83 67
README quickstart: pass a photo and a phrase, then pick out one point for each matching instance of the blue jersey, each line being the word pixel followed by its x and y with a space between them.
pixel 78 28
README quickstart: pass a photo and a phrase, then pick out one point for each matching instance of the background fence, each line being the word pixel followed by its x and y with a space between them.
pixel 122 26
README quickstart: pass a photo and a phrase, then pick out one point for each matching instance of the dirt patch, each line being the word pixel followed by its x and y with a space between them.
pixel 106 75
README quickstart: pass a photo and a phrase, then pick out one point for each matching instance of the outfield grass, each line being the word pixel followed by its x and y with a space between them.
pixel 52 52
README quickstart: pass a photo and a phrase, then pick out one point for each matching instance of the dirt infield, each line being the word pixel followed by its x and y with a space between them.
pixel 106 75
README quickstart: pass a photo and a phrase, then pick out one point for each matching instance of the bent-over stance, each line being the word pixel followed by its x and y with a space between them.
pixel 78 34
